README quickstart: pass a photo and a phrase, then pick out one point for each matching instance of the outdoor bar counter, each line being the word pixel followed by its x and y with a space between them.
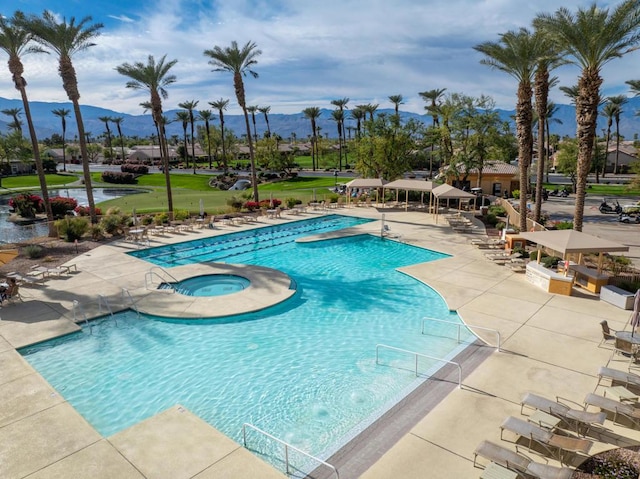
pixel 589 278
pixel 549 280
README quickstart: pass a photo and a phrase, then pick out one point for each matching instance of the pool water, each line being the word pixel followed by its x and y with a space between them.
pixel 209 285
pixel 304 370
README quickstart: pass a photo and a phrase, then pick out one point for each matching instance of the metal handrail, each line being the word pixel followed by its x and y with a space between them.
pixel 163 275
pixel 287 446
pixel 459 325
pixel 378 346
pixel 103 300
pixel 126 293
pixel 76 305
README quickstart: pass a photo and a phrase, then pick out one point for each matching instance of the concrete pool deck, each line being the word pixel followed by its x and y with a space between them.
pixel 549 347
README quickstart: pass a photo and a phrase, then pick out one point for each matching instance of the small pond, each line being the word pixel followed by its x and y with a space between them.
pixel 13 233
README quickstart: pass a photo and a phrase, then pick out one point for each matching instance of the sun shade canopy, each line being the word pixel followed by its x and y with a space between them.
pixel 570 241
pixel 409 184
pixel 366 183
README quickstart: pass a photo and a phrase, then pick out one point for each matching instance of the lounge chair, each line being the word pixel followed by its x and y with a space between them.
pixel 27 279
pixel 608 334
pixel 616 407
pixel 518 462
pixel 549 440
pixel 581 419
pixel 615 375
pixel 12 294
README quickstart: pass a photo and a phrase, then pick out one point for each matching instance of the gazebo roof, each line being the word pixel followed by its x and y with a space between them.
pixel 410 184
pixel 571 241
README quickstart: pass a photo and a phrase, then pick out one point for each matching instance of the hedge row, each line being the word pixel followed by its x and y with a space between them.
pixel 118 177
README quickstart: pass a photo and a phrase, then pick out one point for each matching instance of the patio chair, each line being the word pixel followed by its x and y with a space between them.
pixel 623 347
pixel 546 438
pixel 615 375
pixel 616 407
pixel 518 462
pixel 582 420
pixel 608 334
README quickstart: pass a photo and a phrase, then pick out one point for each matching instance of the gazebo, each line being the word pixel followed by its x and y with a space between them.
pixel 364 183
pixel 449 192
pixel 409 185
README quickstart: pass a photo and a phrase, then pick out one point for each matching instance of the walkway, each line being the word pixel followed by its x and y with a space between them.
pixel 550 347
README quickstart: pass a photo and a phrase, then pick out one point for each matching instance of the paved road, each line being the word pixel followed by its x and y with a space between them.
pixel 598 224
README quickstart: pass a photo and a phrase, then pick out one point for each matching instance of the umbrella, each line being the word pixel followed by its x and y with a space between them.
pixel 635 316
pixel 7 255
pixel 135 219
pixel 201 208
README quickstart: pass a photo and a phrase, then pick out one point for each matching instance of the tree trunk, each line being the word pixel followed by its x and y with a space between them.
pixel 85 162
pixel 254 178
pixel 586 118
pixel 525 143
pixel 541 92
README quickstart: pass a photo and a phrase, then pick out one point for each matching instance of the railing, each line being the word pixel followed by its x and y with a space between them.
pixel 163 275
pixel 78 307
pixel 417 355
pixel 103 300
pixel 287 446
pixel 127 294
pixel 460 325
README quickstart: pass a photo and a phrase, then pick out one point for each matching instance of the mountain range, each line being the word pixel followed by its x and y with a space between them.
pixel 47 124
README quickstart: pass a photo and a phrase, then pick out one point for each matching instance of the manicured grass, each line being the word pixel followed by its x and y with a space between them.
pixel 602 189
pixel 31 181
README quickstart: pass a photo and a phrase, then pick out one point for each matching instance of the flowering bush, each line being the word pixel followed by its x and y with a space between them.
pixel 26 206
pixel 84 211
pixel 61 205
pixel 251 205
pixel 134 168
pixel 267 203
pixel 118 177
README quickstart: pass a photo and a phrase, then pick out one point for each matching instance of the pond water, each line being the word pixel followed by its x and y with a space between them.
pixel 13 233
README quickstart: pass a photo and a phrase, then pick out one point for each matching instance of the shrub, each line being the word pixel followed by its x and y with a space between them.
pixel 84 211
pixel 96 232
pixel 291 202
pixel 492 219
pixel 550 261
pixel 33 251
pixel 564 225
pixel 160 219
pixel 72 228
pixel 251 205
pixel 113 223
pixel 534 255
pixel 26 206
pixel 147 220
pixel 522 251
pixel 61 206
pixel 180 215
pixel 135 169
pixel 515 194
pixel 267 203
pixel 500 225
pixel 497 210
pixel 235 203
pixel 118 177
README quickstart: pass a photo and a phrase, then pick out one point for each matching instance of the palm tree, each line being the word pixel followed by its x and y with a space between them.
pixel 338 117
pixel 341 103
pixel 433 96
pixel 371 109
pixel 66 39
pixel 63 113
pixel 517 54
pixel 589 39
pixel 618 101
pixel 313 113
pixel 190 107
pixel 106 120
pixel 265 111
pixel 183 117
pixel 14 41
pixel 14 113
pixel 358 114
pixel 207 116
pixel 221 106
pixel 609 111
pixel 117 120
pixel 397 100
pixel 253 109
pixel 154 77
pixel 239 62
pixel 552 109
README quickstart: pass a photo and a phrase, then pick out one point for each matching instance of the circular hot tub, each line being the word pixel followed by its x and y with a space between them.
pixel 210 285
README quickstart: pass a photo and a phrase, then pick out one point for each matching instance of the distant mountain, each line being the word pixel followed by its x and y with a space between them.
pixel 142 125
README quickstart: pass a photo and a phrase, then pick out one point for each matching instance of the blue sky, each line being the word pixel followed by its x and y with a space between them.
pixel 312 51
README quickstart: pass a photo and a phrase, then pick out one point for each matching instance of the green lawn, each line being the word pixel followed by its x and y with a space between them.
pixel 29 181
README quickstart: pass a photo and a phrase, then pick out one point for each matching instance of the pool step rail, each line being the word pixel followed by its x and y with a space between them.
pixel 459 326
pixel 128 299
pixel 156 277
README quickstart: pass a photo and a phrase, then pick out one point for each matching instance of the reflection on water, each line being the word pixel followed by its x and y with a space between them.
pixel 12 233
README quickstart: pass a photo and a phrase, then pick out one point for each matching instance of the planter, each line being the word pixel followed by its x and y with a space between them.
pixel 616 296
pixel 621 463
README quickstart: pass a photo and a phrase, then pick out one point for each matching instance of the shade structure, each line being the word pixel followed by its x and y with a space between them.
pixel 448 192
pixel 7 255
pixel 409 185
pixel 635 315
pixel 567 242
pixel 364 183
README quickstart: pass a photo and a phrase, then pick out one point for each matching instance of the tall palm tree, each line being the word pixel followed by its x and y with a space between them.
pixel 190 106
pixel 154 77
pixel 433 97
pixel 517 54
pixel 63 113
pixel 66 39
pixel 207 116
pixel 253 109
pixel 265 111
pixel 609 111
pixel 183 118
pixel 221 106
pixel 106 120
pixel 589 39
pixel 312 113
pixel 15 41
pixel 338 117
pixel 358 114
pixel 618 101
pixel 371 109
pixel 397 100
pixel 552 109
pixel 239 61
pixel 117 120
pixel 16 123
pixel 341 104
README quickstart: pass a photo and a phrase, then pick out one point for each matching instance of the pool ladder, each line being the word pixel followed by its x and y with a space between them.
pixel 160 274
pixel 287 447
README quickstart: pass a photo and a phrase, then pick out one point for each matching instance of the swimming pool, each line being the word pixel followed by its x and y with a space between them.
pixel 304 370
pixel 209 285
